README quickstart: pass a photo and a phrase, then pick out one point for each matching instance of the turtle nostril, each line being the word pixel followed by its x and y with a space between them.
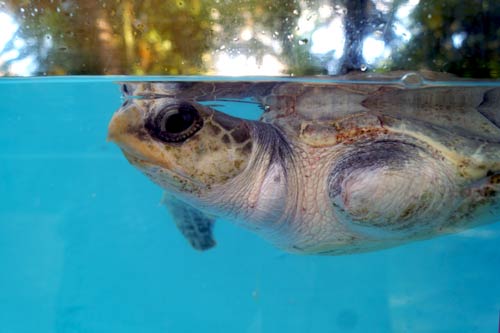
pixel 125 103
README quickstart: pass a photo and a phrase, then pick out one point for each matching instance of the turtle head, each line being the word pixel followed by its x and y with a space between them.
pixel 183 146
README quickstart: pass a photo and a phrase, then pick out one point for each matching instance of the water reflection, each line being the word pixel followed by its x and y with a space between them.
pixel 244 38
pixel 330 38
pixel 13 57
pixel 247 65
pixel 458 39
pixel 374 49
pixel 9 28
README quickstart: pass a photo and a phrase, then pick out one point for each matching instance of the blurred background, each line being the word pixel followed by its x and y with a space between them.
pixel 248 37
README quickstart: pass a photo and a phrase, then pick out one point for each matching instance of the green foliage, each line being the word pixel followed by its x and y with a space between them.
pixel 438 22
pixel 185 37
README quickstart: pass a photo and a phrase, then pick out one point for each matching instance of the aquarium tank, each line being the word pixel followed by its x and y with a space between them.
pixel 86 242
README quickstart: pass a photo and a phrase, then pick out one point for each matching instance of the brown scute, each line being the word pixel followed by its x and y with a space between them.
pixel 240 134
pixel 488 192
pixel 495 179
pixel 225 139
pixel 237 164
pixel 214 130
pixel 247 148
pixel 227 122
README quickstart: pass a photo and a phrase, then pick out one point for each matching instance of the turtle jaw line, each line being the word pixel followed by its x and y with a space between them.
pixel 173 177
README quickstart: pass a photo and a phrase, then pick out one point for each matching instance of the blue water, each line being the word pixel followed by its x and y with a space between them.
pixel 85 246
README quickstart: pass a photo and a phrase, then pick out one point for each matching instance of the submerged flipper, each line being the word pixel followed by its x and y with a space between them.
pixel 195 225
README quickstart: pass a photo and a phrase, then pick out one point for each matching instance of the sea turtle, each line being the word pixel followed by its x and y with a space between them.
pixel 330 168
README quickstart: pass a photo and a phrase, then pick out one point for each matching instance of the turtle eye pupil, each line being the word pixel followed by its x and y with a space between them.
pixel 174 123
pixel 180 121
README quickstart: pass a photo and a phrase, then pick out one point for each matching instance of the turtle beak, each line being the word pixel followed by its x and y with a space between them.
pixel 114 129
pixel 119 123
pixel 126 129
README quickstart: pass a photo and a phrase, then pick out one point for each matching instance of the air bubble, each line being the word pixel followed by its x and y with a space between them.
pixel 412 80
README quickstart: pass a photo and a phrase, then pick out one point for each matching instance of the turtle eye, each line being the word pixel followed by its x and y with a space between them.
pixel 174 123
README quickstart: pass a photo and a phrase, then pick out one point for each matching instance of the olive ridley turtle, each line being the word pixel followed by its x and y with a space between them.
pixel 330 168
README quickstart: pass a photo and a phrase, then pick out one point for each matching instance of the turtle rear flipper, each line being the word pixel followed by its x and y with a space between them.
pixel 195 225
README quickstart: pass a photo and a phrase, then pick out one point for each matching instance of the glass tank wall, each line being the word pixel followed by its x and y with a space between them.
pixel 87 246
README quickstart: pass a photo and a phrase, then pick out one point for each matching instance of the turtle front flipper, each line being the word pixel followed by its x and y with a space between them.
pixel 195 225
